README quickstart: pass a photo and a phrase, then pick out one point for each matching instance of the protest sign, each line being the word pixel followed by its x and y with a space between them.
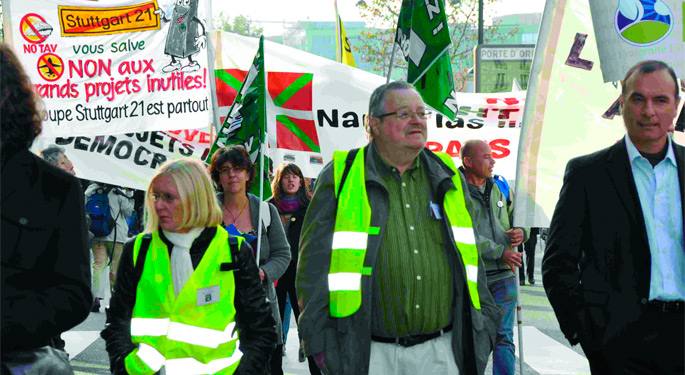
pixel 326 99
pixel 630 31
pixel 115 67
pixel 330 100
pixel 128 160
pixel 569 111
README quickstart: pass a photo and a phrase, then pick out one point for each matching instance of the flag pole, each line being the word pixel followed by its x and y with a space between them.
pixel 519 319
pixel 262 139
pixel 392 58
pixel 394 48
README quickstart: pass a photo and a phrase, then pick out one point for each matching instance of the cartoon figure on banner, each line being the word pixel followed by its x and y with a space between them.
pixel 183 37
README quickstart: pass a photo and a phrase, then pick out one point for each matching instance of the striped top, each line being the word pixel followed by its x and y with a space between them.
pixel 412 280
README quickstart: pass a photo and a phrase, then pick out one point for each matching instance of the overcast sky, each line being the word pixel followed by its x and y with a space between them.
pixel 277 11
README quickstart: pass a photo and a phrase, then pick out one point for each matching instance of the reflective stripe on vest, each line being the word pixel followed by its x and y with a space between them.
pixel 144 360
pixel 193 332
pixel 350 237
pixel 185 366
pixel 462 229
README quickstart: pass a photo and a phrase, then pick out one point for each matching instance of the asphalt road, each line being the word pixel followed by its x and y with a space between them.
pixel 544 347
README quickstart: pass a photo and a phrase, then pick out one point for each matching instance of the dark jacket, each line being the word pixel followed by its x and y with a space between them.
pixel 492 217
pixel 45 260
pixel 253 315
pixel 293 235
pixel 346 342
pixel 596 269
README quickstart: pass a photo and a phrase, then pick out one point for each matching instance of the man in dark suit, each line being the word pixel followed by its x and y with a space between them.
pixel 614 268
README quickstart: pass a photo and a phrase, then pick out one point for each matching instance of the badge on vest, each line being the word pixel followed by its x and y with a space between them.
pixel 207 296
pixel 500 204
pixel 435 211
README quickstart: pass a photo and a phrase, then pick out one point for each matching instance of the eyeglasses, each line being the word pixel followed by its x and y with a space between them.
pixel 406 114
pixel 229 170
pixel 164 197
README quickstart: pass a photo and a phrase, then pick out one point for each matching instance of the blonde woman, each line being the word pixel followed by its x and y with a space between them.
pixel 187 297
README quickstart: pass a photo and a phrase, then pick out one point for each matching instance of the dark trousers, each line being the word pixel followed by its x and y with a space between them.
pixel 528 267
pixel 653 345
pixel 286 289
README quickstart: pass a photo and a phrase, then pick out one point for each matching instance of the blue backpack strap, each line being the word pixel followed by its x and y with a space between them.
pixel 503 186
pixel 234 249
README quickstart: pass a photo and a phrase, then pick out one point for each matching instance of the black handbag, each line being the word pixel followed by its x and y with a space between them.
pixel 43 360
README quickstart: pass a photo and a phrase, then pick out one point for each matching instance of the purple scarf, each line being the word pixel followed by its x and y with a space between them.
pixel 288 204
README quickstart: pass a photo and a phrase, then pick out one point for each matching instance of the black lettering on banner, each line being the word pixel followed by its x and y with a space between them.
pixel 172 142
pixel 80 145
pixel 157 160
pixel 155 138
pixel 123 149
pixel 187 150
pixel 137 157
pixel 332 122
pixel 574 59
pixel 140 137
pixel 459 122
pixel 63 141
pixel 102 145
pixel 350 120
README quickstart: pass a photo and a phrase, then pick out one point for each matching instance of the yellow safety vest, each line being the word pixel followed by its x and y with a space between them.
pixel 193 333
pixel 353 226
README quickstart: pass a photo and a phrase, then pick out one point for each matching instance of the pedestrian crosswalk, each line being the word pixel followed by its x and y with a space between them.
pixel 547 356
pixel 542 354
pixel 545 349
pixel 77 341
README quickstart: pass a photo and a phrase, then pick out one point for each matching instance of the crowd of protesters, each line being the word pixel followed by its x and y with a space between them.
pixel 397 263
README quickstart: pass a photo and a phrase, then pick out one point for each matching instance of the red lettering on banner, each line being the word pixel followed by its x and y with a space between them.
pixel 205 137
pixel 499 147
pixel 90 68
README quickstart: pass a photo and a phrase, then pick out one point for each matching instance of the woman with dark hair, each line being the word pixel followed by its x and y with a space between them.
pixel 45 272
pixel 291 197
pixel 233 172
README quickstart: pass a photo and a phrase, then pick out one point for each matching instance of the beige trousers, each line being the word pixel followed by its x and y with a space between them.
pixel 101 252
pixel 431 357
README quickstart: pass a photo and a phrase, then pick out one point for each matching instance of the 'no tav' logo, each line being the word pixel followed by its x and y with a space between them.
pixel 643 22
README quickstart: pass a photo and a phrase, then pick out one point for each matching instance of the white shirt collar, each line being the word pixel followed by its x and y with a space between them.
pixel 634 153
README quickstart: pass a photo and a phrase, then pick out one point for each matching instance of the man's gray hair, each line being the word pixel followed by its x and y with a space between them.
pixel 377 101
pixel 51 154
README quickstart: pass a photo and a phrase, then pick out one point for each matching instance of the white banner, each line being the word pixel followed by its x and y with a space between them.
pixel 330 97
pixel 115 66
pixel 329 101
pixel 630 31
pixel 128 160
pixel 570 111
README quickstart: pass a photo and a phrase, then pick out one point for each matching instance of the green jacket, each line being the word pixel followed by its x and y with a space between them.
pixel 492 216
pixel 346 342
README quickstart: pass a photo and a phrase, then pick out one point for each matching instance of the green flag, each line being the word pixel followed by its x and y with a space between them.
pixel 245 123
pixel 423 36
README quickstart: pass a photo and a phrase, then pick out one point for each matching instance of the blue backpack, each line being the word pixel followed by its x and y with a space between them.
pixel 503 186
pixel 97 207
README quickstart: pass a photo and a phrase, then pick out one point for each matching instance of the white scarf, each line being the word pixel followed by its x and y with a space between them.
pixel 181 265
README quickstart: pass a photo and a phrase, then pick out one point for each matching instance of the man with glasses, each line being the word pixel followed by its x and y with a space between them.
pixel 389 278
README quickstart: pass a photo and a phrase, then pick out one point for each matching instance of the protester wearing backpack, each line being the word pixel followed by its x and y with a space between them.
pixel 110 232
pixel 232 173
